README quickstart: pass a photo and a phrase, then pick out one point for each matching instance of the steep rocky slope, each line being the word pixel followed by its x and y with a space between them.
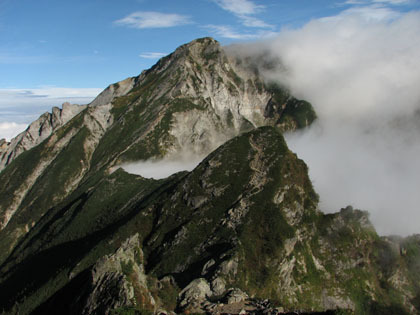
pixel 190 101
pixel 38 131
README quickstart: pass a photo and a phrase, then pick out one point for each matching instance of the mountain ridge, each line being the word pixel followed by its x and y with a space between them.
pixel 160 128
pixel 37 132
pixel 79 235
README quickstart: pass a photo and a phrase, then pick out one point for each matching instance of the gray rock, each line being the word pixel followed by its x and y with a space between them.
pixel 218 286
pixel 194 294
pixel 38 131
pixel 235 295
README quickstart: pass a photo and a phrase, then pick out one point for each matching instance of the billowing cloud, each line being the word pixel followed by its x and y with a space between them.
pixel 150 19
pixel 362 75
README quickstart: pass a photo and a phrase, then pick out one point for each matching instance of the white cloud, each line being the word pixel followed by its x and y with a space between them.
pixel 393 2
pixel 13 96
pixel 10 58
pixel 9 130
pixel 351 2
pixel 227 31
pixel 152 55
pixel 361 75
pixel 163 168
pixel 240 7
pixel 149 19
pixel 244 9
pixel 385 2
pixel 373 12
pixel 251 21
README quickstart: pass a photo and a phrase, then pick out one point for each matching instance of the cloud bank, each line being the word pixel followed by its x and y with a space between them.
pixel 158 169
pixel 361 71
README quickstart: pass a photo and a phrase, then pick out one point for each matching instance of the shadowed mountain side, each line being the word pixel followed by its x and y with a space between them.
pixel 245 219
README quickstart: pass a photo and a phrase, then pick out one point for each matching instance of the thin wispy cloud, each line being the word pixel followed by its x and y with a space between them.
pixel 352 2
pixel 244 10
pixel 150 19
pixel 9 130
pixel 8 96
pixel 152 55
pixel 251 21
pixel 240 7
pixel 383 2
pixel 19 107
pixel 374 12
pixel 227 31
pixel 393 2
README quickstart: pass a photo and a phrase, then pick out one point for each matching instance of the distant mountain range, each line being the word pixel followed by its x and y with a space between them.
pixel 241 233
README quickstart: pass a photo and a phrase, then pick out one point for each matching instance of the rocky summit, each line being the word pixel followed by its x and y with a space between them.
pixel 241 233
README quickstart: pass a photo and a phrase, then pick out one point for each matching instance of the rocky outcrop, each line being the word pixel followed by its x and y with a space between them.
pixel 116 277
pixel 113 91
pixel 38 131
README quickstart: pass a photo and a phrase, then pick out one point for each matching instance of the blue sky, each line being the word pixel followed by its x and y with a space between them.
pixel 52 51
pixel 93 43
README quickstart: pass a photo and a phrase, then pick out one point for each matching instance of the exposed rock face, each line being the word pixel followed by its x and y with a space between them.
pixel 79 138
pixel 3 144
pixel 37 132
pixel 113 91
pixel 193 100
pixel 110 287
pixel 198 291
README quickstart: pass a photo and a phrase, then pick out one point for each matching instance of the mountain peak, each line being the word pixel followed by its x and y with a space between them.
pixel 199 44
